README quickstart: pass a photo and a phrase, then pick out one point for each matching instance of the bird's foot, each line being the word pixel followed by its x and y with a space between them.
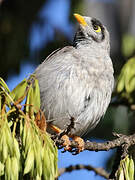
pixel 80 143
pixel 67 144
pixel 66 141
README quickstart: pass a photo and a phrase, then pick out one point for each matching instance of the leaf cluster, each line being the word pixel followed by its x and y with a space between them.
pixel 126 169
pixel 126 81
pixel 26 150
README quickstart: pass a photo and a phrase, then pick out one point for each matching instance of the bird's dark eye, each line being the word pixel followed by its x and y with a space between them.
pixel 96 28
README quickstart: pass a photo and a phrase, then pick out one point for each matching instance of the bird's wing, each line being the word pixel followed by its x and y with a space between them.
pixel 58 52
pixel 53 74
pixel 52 54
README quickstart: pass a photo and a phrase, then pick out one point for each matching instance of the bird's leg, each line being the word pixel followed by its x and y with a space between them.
pixel 67 143
pixel 65 138
pixel 54 128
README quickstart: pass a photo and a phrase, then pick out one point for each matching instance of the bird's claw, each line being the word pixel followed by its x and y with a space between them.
pixel 80 143
pixel 66 143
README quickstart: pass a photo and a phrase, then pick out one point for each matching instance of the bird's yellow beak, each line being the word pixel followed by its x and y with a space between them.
pixel 80 19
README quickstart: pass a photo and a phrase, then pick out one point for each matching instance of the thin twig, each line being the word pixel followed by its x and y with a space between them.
pixel 98 171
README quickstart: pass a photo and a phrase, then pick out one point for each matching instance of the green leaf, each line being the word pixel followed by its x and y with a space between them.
pixel 8 169
pixel 120 85
pixel 19 90
pixel 131 85
pixel 10 123
pixel 46 164
pixel 50 170
pixel 128 44
pixel 29 162
pixel 1 169
pixel 4 85
pixel 29 101
pixel 36 96
pixel 4 90
pixel 126 80
pixel 15 168
pixel 9 139
pixel 131 169
pixel 38 157
pixel 125 164
pixel 121 175
pixel 0 104
pixel 5 151
pixel 16 149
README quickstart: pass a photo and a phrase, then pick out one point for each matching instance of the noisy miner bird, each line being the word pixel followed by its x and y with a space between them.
pixel 77 81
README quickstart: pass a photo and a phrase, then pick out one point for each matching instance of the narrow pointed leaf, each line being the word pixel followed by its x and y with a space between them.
pixel 29 163
pixel 36 96
pixel 19 90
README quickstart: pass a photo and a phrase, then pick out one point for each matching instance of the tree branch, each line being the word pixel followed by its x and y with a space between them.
pixel 94 146
pixel 98 171
pixel 122 143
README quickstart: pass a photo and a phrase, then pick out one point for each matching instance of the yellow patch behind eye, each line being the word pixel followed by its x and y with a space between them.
pixel 99 29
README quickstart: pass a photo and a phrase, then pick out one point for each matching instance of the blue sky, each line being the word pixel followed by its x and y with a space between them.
pixel 96 159
pixel 53 15
pixel 56 13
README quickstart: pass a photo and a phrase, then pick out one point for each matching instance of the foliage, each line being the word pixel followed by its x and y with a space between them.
pixel 126 81
pixel 26 150
pixel 128 44
pixel 126 169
